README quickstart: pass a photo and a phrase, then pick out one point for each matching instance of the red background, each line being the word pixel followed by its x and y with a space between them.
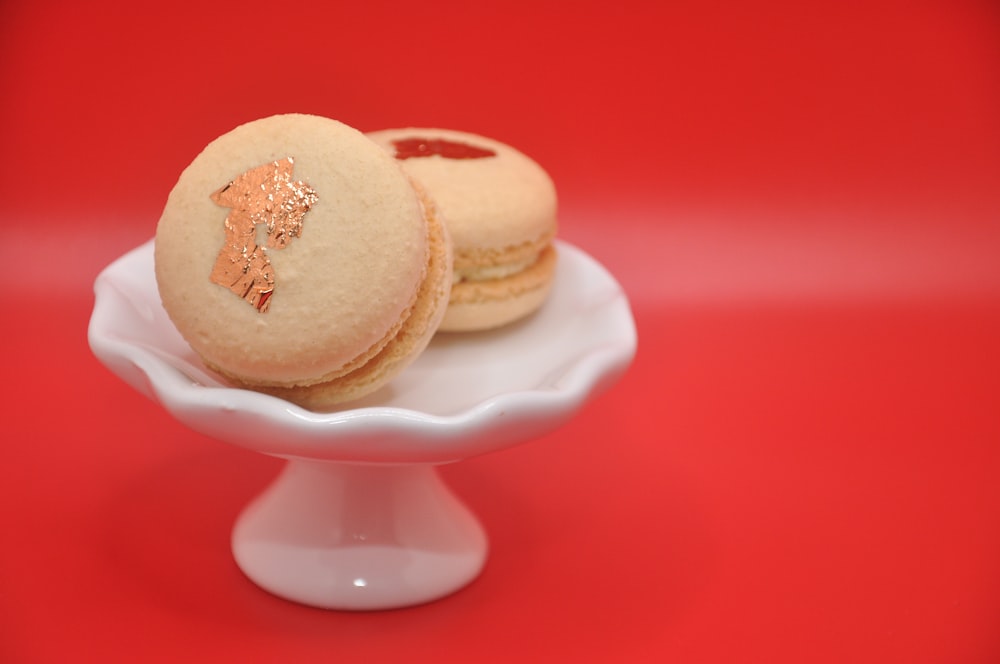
pixel 801 200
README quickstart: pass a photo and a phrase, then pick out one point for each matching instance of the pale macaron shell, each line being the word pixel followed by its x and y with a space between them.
pixel 499 210
pixel 341 289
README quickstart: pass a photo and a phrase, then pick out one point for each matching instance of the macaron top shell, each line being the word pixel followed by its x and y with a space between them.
pixel 493 197
pixel 341 285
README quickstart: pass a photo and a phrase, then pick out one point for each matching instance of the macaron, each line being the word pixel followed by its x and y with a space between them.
pixel 500 209
pixel 297 259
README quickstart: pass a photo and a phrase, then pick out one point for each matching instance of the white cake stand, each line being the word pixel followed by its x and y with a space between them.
pixel 359 518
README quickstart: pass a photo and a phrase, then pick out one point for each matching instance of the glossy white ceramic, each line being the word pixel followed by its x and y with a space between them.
pixel 359 519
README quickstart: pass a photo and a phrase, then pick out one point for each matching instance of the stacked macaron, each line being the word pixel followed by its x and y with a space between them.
pixel 500 210
pixel 301 258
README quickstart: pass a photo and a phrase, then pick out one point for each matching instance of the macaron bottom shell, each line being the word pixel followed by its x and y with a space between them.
pixel 492 303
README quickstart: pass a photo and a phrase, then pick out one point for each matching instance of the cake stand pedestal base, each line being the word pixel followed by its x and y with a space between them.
pixel 353 536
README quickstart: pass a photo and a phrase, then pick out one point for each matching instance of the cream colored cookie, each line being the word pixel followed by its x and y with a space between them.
pixel 500 209
pixel 294 253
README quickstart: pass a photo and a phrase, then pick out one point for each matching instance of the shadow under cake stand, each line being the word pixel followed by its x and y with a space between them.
pixel 359 518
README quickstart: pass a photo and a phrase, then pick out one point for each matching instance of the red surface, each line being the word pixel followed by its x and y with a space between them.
pixel 802 203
